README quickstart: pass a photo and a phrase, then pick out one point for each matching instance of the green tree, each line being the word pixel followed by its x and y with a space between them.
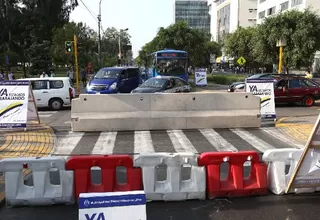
pixel 240 44
pixel 86 38
pixel 181 37
pixel 301 30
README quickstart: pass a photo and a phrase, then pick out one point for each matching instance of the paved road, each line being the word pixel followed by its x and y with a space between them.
pixel 291 207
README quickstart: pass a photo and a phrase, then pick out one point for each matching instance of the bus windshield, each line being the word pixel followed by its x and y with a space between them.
pixel 171 67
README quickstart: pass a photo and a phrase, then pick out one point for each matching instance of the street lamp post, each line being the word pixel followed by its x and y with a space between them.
pixel 119 43
pixel 281 43
pixel 99 30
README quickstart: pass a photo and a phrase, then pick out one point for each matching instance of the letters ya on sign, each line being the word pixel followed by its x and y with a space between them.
pixel 95 216
pixel 255 91
pixel 200 74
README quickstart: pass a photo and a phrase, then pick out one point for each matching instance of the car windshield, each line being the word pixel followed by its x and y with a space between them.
pixel 258 76
pixel 171 67
pixel 154 83
pixel 107 74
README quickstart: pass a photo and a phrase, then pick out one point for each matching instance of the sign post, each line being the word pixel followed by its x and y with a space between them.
pixel 200 77
pixel 265 90
pixel 76 62
pixel 17 104
pixel 307 172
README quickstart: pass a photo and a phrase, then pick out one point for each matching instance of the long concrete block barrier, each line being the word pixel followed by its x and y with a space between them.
pixel 120 112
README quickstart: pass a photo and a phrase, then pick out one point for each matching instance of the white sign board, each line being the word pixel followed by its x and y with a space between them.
pixel 212 58
pixel 113 206
pixel 265 90
pixel 200 77
pixel 14 99
pixel 307 172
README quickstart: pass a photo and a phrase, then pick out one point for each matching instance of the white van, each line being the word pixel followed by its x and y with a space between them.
pixel 53 92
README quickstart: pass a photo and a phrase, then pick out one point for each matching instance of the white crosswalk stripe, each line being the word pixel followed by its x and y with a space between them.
pixel 256 142
pixel 143 142
pixel 202 140
pixel 46 114
pixel 217 141
pixel 105 143
pixel 180 142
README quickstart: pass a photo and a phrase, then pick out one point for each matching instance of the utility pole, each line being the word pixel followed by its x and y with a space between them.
pixel 99 31
pixel 75 44
pixel 7 16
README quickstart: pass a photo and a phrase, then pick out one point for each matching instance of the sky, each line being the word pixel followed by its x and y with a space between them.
pixel 143 18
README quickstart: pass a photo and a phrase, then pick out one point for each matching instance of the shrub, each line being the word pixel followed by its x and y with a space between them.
pixel 226 79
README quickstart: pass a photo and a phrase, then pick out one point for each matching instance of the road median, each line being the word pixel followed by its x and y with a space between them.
pixel 37 141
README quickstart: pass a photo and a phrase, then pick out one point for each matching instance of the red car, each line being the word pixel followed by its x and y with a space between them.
pixel 297 89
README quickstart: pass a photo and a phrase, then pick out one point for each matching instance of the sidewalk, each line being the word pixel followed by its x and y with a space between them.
pixel 298 128
pixel 37 141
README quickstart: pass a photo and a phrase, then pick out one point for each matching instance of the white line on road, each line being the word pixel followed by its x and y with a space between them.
pixel 45 116
pixel 143 142
pixel 47 112
pixel 180 142
pixel 256 142
pixel 66 144
pixel 217 141
pixel 105 143
pixel 277 134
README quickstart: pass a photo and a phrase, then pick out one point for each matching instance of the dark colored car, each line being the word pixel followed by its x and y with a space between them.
pixel 110 80
pixel 164 84
pixel 297 89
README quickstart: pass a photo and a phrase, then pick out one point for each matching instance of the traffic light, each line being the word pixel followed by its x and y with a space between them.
pixel 68 47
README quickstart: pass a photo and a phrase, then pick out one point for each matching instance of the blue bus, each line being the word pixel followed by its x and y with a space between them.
pixel 168 62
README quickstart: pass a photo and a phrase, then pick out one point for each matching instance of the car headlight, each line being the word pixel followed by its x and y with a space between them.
pixel 88 86
pixel 113 86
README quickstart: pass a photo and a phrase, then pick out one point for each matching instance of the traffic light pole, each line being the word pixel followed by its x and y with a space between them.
pixel 76 62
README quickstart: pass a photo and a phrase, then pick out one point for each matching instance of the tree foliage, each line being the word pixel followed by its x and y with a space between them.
pixel 180 37
pixel 240 44
pixel 300 30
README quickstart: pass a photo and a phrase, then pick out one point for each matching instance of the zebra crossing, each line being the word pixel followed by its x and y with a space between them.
pixel 193 141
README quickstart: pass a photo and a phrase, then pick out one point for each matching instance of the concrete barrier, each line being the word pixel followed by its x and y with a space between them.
pixel 120 112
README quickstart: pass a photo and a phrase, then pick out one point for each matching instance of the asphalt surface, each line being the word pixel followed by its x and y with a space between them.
pixel 290 207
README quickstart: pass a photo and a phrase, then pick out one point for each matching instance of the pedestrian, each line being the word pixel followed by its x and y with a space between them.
pixel 308 73
pixel 52 74
pixel 70 75
pixel 84 77
pixel 11 76
pixel 44 75
pixel 2 76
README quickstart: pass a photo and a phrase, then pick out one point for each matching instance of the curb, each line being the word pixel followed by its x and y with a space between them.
pixel 37 141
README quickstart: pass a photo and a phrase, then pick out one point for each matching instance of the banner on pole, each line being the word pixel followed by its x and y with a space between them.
pixel 16 104
pixel 307 171
pixel 265 90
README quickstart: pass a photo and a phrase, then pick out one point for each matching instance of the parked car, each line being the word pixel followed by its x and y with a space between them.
pixel 165 84
pixel 237 87
pixel 53 92
pixel 110 80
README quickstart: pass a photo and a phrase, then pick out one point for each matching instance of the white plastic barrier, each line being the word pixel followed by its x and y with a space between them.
pixel 173 187
pixel 42 192
pixel 278 179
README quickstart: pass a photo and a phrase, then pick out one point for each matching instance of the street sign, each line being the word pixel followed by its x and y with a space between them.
pixel 241 61
pixel 212 58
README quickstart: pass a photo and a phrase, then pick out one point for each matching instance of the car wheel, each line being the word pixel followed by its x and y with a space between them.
pixel 308 101
pixel 56 104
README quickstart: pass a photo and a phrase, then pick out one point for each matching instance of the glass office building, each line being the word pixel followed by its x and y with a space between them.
pixel 194 12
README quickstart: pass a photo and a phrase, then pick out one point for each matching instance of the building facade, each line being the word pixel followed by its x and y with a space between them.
pixel 228 15
pixel 269 7
pixel 194 12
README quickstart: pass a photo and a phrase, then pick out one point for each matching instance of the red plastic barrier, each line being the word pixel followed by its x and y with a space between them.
pixel 81 165
pixel 236 184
